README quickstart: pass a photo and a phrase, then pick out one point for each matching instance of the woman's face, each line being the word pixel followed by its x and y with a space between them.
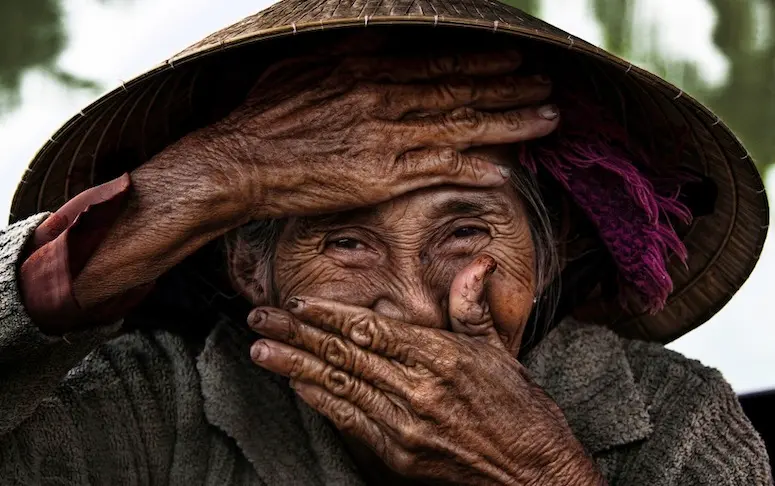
pixel 399 258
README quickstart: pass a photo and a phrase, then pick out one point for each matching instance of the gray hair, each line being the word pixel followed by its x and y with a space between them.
pixel 260 239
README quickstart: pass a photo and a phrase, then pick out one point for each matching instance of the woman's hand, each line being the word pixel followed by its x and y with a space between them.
pixel 316 138
pixel 450 407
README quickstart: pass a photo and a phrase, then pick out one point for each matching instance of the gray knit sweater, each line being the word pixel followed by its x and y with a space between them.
pixel 145 408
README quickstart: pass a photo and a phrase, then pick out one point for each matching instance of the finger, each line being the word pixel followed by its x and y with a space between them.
pixel 466 127
pixel 469 312
pixel 299 365
pixel 486 93
pixel 430 167
pixel 302 367
pixel 345 416
pixel 384 336
pixel 332 349
pixel 385 439
pixel 403 70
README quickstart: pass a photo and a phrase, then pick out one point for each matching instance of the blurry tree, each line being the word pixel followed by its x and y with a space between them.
pixel 744 33
pixel 31 36
pixel 746 102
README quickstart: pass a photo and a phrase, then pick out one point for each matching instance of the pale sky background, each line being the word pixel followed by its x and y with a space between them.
pixel 114 42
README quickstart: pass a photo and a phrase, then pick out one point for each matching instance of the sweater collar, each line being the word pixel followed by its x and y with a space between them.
pixel 285 440
pixel 584 368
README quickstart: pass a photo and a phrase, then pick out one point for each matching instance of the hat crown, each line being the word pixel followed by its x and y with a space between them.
pixel 299 14
pixel 127 126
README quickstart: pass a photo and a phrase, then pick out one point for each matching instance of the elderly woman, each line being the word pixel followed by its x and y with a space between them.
pixel 436 248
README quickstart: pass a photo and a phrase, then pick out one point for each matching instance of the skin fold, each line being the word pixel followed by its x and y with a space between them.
pixel 406 275
pixel 410 317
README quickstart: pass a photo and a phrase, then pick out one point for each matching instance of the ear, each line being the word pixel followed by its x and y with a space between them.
pixel 249 275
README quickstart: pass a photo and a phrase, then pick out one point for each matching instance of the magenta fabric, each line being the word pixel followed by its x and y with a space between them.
pixel 623 193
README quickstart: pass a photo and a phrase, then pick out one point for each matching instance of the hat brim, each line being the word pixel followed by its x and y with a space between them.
pixel 129 125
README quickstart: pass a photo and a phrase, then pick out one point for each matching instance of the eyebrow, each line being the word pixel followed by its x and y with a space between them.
pixel 338 219
pixel 468 206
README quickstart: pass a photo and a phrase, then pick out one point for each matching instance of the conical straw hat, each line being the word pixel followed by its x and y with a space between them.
pixel 127 126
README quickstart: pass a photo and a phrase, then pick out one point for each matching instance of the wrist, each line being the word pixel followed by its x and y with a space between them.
pixel 190 183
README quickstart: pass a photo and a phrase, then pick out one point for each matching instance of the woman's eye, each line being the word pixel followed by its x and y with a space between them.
pixel 467 232
pixel 347 244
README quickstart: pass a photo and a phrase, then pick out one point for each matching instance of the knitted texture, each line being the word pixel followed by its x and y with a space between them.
pixel 146 408
pixel 617 186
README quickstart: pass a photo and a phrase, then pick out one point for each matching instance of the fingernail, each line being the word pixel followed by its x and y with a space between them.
pixel 548 112
pixel 491 267
pixel 505 171
pixel 293 303
pixel 257 318
pixel 259 351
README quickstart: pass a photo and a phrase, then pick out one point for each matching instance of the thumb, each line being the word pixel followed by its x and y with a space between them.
pixel 469 312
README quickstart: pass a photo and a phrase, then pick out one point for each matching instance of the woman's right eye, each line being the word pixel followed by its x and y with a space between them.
pixel 346 244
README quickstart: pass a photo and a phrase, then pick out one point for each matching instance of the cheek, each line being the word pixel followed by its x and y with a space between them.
pixel 318 276
pixel 511 290
pixel 510 304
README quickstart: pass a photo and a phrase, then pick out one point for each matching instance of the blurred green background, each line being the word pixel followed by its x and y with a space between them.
pixel 32 35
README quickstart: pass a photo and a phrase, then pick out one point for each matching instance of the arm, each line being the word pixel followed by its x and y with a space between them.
pixel 72 420
pixel 204 185
pixel 32 362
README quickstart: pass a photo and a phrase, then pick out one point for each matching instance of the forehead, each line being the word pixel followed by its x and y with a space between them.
pixel 431 204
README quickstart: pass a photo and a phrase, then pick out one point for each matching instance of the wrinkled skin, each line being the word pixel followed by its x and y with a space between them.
pixel 319 140
pixel 374 130
pixel 402 325
pixel 400 258
pixel 453 405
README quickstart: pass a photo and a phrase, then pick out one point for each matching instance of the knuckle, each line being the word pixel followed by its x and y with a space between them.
pixel 451 161
pixel 363 331
pixel 460 164
pixel 448 156
pixel 339 383
pixel 426 395
pixel 462 89
pixel 464 362
pixel 509 87
pixel 335 352
pixel 410 435
pixel 449 366
pixel 297 366
pixel 403 462
pixel 467 120
pixel 291 327
pixel 343 415
pixel 515 119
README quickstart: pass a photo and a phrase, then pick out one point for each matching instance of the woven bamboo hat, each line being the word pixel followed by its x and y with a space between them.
pixel 127 126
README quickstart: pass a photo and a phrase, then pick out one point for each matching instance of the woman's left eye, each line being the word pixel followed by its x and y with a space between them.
pixel 347 244
pixel 467 232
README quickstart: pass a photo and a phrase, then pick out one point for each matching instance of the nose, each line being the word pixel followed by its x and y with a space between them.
pixel 413 306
